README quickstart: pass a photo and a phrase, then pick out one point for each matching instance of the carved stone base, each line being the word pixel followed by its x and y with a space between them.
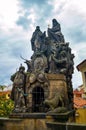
pixel 60 117
pixel 34 121
pixel 57 81
pixel 63 117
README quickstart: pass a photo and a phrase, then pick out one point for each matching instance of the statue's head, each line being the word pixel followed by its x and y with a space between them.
pixel 21 68
pixel 54 22
pixel 37 28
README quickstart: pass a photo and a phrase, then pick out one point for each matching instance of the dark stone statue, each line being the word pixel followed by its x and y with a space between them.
pixel 58 101
pixel 17 94
pixel 52 62
pixel 40 63
pixel 37 33
pixel 58 60
pixel 52 55
pixel 54 33
pixel 38 40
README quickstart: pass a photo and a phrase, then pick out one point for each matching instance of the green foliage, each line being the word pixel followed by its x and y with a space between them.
pixel 2 87
pixel 6 106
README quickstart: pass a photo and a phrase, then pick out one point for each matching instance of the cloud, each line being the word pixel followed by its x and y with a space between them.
pixel 8 13
pixel 23 21
pixel 25 3
pixel 18 20
pixel 34 12
pixel 72 16
pixel 77 35
pixel 13 43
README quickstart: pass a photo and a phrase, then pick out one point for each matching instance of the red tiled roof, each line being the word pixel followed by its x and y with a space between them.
pixel 5 92
pixel 79 102
pixel 78 92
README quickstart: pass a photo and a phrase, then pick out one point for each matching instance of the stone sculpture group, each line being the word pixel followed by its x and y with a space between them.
pixel 51 55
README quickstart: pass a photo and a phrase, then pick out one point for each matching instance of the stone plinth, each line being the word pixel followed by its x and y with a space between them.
pixel 57 81
pixel 25 121
pixel 63 117
pixel 34 121
pixel 65 126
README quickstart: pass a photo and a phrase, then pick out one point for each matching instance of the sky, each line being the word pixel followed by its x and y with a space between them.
pixel 18 19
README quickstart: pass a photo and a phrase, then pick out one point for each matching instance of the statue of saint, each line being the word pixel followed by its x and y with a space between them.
pixel 58 61
pixel 52 62
pixel 36 39
pixel 17 94
pixel 54 33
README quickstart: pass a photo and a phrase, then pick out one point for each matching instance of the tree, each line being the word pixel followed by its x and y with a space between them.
pixel 6 105
pixel 2 87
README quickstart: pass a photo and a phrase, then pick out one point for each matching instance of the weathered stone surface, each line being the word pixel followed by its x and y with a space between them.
pixel 47 84
pixel 65 126
pixel 35 121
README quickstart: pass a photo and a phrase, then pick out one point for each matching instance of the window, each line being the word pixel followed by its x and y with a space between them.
pixel 37 99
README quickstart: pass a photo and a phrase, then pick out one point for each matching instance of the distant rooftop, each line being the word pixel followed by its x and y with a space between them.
pixel 83 63
pixel 79 102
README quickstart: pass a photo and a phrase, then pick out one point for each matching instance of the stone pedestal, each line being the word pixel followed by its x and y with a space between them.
pixel 25 121
pixel 58 94
pixel 35 121
pixel 57 81
pixel 40 121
